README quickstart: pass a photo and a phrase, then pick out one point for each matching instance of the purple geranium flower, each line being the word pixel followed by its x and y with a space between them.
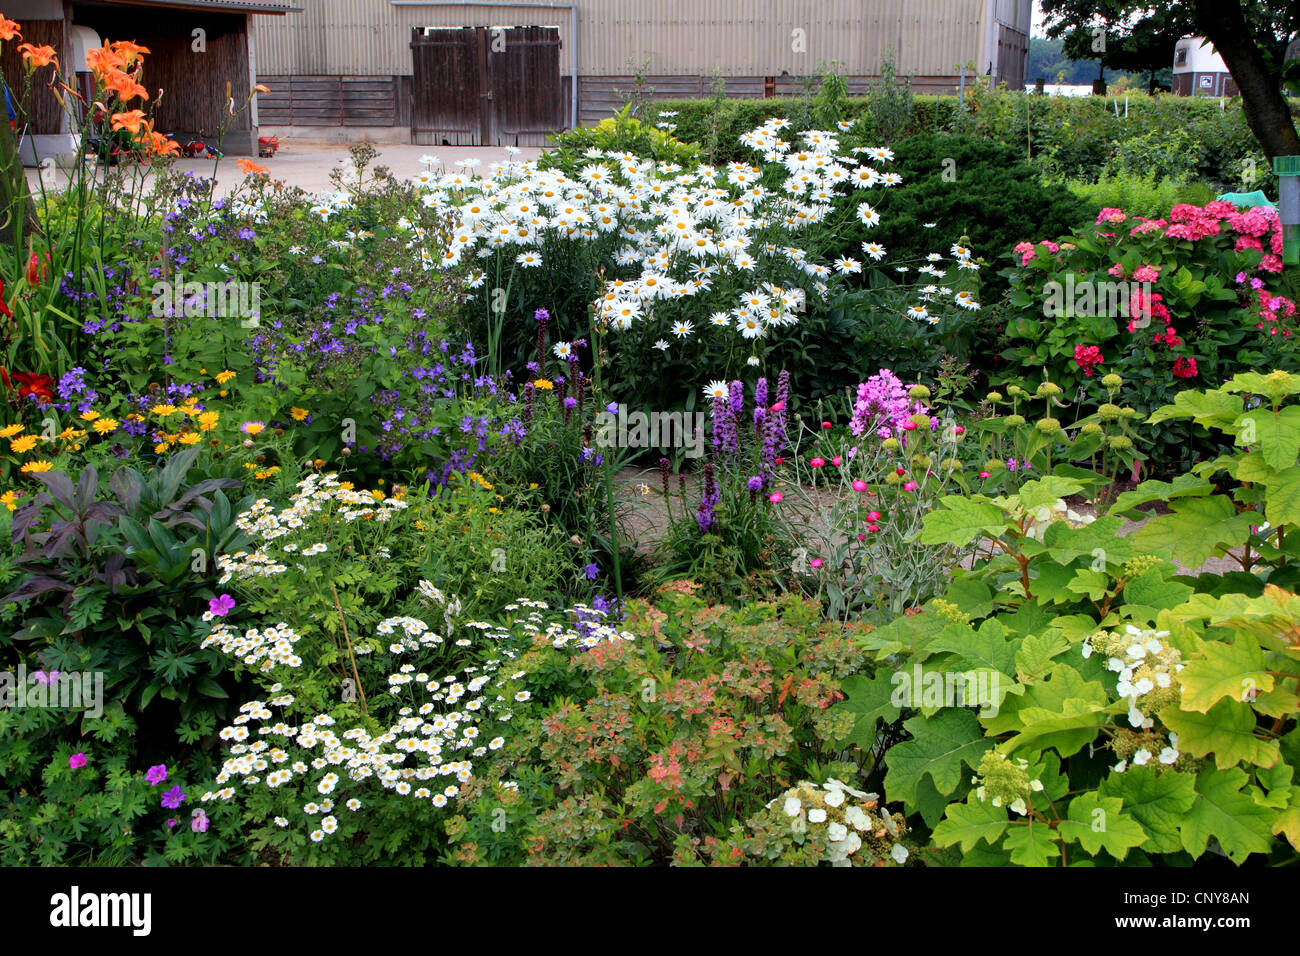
pixel 221 606
pixel 156 775
pixel 173 798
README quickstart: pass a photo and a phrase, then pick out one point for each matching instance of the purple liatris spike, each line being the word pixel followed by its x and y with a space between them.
pixel 704 516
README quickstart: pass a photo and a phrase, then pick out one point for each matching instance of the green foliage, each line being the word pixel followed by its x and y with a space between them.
pixel 621 133
pixel 969 187
pixel 1138 713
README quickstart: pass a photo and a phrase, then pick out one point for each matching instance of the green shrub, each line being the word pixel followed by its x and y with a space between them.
pixel 968 187
pixel 1142 194
pixel 1128 710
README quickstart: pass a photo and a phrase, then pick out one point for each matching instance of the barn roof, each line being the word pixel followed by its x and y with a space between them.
pixel 280 7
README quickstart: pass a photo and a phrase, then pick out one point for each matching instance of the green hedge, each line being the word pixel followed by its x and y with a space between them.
pixel 1069 137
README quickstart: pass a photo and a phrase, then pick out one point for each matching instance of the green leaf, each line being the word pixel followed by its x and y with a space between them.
pixel 960 521
pixel 1034 658
pixel 1096 823
pixel 1044 492
pixel 1157 801
pixel 938 748
pixel 1032 844
pixel 1226 730
pixel 1154 590
pixel 1222 811
pixel 1226 670
pixel 970 822
pixel 987 647
pixel 1213 409
pixel 1198 528
pixel 1276 433
pixel 1181 487
pixel 1092 584
pixel 1283 504
pixel 210 688
pixel 868 700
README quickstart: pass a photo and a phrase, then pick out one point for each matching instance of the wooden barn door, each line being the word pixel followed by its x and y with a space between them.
pixel 485 86
pixel 448 67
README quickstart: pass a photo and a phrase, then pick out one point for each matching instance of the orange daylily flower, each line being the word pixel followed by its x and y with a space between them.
pixel 130 120
pixel 9 30
pixel 35 56
pixel 103 60
pixel 126 87
pixel 128 51
pixel 251 168
pixel 259 88
pixel 160 145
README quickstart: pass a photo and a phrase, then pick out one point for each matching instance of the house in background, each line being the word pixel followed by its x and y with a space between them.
pixel 196 48
pixel 1200 71
pixel 508 73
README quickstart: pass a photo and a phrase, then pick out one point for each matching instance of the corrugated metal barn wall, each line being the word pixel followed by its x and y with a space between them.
pixel 678 37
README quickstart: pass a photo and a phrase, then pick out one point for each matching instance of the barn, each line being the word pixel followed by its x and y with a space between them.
pixel 434 71
pixel 196 48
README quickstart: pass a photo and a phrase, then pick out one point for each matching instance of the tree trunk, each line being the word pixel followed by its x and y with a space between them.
pixel 17 211
pixel 1265 108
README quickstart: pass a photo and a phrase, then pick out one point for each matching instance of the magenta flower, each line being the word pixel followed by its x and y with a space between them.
pixel 199 823
pixel 221 606
pixel 156 775
pixel 173 798
pixel 77 761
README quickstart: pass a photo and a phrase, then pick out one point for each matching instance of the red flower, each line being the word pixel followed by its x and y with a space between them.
pixel 33 383
pixel 1185 367
pixel 4 308
pixel 1088 358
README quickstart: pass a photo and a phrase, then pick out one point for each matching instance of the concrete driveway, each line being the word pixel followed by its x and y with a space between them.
pixel 308 164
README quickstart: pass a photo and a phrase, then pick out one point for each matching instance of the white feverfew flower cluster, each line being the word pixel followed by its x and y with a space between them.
pixel 441 725
pixel 319 497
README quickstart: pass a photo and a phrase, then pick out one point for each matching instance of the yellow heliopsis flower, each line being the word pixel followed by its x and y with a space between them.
pixel 23 445
pixel 9 499
pixel 189 438
pixel 34 466
pixel 345 486
pixel 298 414
pixel 543 383
pixel 106 425
pixel 208 420
pixel 90 414
pixel 224 377
pixel 9 431
pixel 72 434
pixel 377 495
pixel 161 447
pixel 164 410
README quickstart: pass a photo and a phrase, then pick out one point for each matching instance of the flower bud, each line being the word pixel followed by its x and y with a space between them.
pixel 891 444
pixel 1049 426
pixel 993 397
pixel 1092 428
pixel 1048 390
pixel 1112 381
pixel 918 393
pixel 1120 442
pixel 1109 412
pixel 1015 421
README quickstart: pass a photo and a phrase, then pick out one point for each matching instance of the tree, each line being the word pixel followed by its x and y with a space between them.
pixel 1251 36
